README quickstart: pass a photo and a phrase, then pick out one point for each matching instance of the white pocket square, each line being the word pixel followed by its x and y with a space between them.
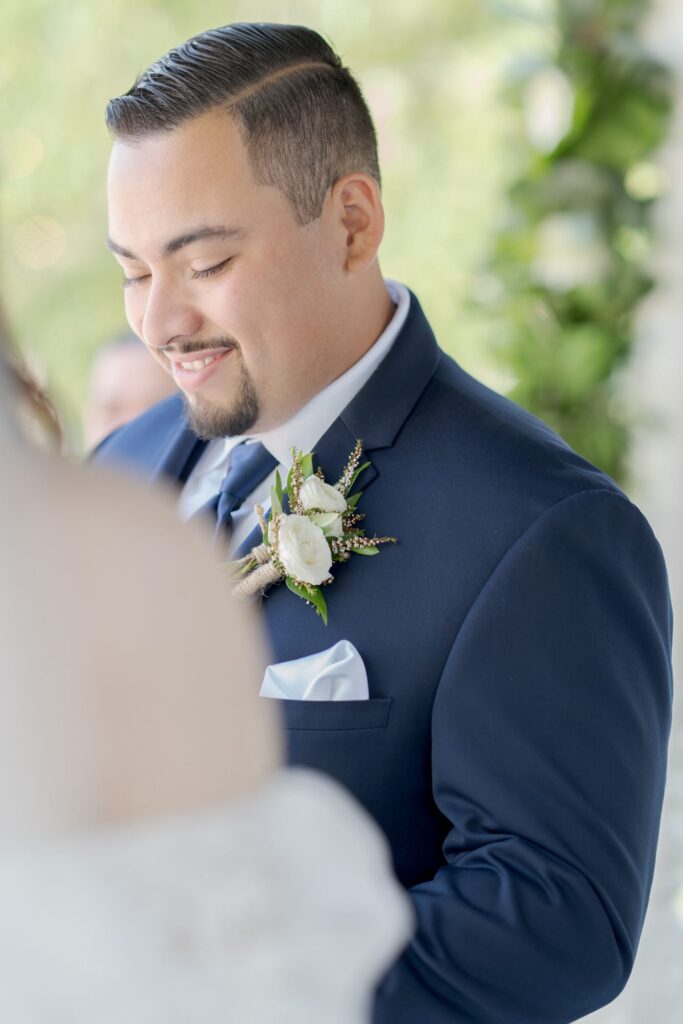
pixel 335 674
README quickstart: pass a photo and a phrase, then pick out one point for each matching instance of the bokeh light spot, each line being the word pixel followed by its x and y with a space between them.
pixel 22 153
pixel 40 242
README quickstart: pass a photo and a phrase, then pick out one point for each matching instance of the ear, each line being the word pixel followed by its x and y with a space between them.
pixel 356 207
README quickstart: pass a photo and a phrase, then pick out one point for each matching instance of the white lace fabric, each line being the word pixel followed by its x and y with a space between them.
pixel 277 909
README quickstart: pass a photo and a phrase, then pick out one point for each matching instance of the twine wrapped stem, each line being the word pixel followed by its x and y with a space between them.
pixel 262 576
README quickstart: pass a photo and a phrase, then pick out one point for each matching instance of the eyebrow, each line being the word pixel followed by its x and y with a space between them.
pixel 180 241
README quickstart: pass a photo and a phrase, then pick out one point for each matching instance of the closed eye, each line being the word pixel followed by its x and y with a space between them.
pixel 128 282
pixel 212 270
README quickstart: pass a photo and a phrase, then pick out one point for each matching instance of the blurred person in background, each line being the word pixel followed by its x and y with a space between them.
pixel 124 382
pixel 156 862
pixel 515 644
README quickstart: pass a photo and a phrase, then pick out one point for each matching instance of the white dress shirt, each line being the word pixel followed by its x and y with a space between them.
pixel 302 431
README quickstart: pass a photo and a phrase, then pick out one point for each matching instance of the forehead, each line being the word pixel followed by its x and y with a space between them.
pixel 200 171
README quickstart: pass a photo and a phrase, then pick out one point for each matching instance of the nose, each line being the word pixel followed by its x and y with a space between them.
pixel 166 314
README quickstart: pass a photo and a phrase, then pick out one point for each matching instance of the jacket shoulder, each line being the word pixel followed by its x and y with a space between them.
pixel 502 449
pixel 143 439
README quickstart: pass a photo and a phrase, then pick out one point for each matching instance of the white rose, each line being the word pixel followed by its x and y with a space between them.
pixel 316 494
pixel 303 550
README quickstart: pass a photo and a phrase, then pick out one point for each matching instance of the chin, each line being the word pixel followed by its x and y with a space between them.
pixel 211 420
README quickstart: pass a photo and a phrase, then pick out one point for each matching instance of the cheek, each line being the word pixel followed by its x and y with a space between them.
pixel 134 306
pixel 240 307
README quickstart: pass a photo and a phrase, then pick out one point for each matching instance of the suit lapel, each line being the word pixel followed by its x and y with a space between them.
pixel 180 455
pixel 332 452
pixel 380 409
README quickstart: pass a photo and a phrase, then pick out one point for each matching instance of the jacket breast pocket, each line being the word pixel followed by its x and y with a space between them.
pixel 339 715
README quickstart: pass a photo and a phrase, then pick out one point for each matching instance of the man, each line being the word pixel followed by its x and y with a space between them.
pixel 124 383
pixel 516 638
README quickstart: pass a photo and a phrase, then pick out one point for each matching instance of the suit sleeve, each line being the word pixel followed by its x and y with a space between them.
pixel 549 734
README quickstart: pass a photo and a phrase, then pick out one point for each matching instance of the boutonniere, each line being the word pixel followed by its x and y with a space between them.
pixel 320 529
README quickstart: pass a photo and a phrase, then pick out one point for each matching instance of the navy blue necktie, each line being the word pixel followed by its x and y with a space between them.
pixel 249 466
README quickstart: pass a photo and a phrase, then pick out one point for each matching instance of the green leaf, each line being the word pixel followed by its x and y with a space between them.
pixel 288 488
pixel 358 473
pixel 313 595
pixel 366 551
pixel 278 486
pixel 319 602
pixel 275 503
pixel 324 519
pixel 307 465
pixel 296 589
pixel 240 567
pixel 354 499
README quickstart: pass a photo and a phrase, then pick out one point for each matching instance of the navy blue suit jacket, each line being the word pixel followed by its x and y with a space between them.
pixel 517 643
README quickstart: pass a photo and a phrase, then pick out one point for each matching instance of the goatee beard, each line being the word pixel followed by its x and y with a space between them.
pixel 210 420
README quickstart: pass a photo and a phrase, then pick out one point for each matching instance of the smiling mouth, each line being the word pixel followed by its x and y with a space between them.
pixel 199 364
pixel 192 372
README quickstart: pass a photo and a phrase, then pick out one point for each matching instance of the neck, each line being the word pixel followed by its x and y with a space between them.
pixel 352 325
pixel 368 310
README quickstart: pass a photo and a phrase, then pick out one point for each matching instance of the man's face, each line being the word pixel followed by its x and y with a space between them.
pixel 228 292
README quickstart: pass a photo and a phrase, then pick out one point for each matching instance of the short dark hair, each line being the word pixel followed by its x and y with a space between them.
pixel 301 114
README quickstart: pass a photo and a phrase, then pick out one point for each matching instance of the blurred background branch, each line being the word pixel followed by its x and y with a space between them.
pixel 570 264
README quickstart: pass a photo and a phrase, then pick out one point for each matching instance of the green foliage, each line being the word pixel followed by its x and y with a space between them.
pixel 312 595
pixel 354 476
pixel 278 489
pixel 324 519
pixel 307 465
pixel 570 263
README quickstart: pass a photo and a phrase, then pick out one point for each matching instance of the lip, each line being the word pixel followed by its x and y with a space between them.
pixel 192 380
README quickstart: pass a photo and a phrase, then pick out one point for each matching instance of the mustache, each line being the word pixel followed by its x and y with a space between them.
pixel 187 348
